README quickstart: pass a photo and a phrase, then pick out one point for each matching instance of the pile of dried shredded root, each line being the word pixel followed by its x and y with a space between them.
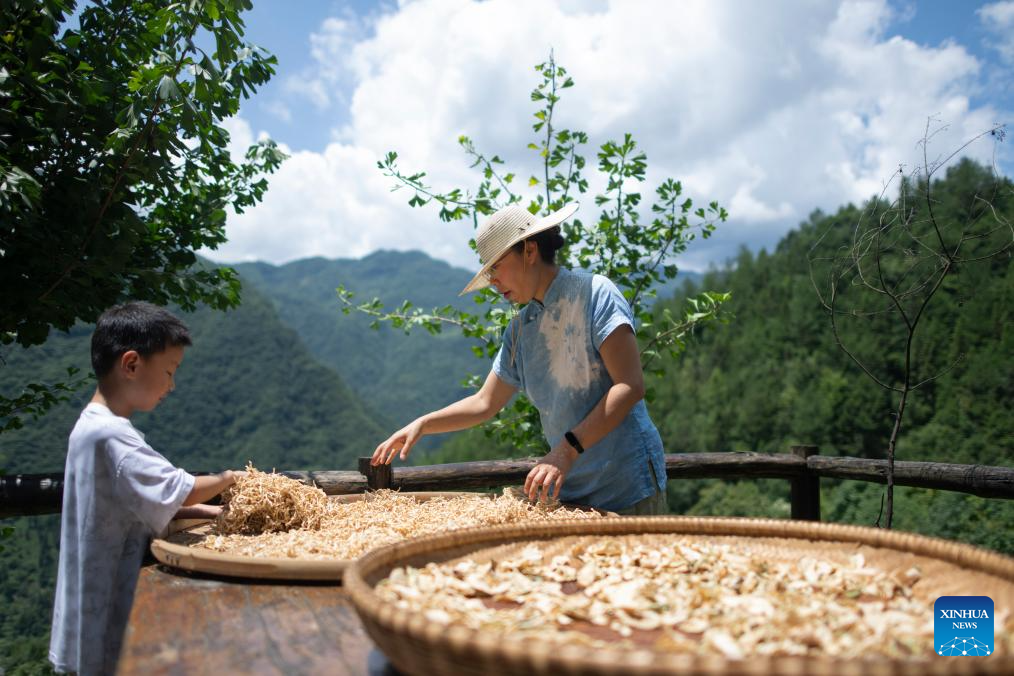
pixel 684 596
pixel 262 505
pixel 266 503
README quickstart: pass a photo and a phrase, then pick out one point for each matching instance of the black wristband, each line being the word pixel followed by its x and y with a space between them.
pixel 572 440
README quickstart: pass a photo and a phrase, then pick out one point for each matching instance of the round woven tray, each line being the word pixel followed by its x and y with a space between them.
pixel 417 646
pixel 176 552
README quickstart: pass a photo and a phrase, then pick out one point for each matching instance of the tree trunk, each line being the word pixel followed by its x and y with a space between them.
pixel 890 456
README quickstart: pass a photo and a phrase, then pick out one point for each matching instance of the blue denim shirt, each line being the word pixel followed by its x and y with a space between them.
pixel 556 361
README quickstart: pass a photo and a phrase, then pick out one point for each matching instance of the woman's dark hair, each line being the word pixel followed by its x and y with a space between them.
pixel 549 242
pixel 138 326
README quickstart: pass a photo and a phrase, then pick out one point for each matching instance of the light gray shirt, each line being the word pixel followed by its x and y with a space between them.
pixel 117 493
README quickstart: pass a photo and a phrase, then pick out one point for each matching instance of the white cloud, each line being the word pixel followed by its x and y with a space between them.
pixel 313 90
pixel 998 19
pixel 771 109
pixel 279 110
pixel 322 84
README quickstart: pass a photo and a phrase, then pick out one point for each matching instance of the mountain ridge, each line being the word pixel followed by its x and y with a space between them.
pixel 386 375
pixel 247 376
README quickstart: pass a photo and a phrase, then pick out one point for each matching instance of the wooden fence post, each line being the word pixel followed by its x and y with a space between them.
pixel 376 477
pixel 806 489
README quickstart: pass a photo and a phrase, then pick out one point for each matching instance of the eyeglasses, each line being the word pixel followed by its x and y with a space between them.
pixel 490 274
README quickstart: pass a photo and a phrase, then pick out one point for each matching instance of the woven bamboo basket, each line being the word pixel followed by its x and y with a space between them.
pixel 416 646
pixel 175 551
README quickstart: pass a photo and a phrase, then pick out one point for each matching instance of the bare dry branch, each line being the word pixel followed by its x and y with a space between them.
pixel 900 253
pixel 938 374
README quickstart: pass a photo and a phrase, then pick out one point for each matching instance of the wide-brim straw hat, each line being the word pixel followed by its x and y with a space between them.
pixel 504 229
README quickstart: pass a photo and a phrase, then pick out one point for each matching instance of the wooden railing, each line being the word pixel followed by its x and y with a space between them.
pixel 29 494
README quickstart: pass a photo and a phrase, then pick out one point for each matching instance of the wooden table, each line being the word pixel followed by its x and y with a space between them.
pixel 192 624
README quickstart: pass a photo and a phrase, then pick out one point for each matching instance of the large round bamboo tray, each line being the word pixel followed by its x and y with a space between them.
pixel 416 646
pixel 174 551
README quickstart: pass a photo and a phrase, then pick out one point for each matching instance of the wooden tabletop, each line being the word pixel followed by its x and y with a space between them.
pixel 193 624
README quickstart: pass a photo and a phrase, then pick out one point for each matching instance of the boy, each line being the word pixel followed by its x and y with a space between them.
pixel 118 491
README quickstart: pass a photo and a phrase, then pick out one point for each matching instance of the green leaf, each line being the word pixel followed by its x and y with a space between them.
pixel 636 256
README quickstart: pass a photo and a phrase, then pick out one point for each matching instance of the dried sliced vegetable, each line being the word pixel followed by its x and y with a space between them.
pixel 262 502
pixel 678 594
pixel 270 515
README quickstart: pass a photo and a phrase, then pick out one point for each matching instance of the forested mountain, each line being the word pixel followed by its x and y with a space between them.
pixel 251 389
pixel 248 389
pixel 399 376
pixel 775 377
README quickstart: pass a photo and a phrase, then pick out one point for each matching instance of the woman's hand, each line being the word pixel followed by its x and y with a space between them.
pixel 546 478
pixel 402 440
pixel 464 413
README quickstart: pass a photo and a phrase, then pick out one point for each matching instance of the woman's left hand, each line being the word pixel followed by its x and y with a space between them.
pixel 546 478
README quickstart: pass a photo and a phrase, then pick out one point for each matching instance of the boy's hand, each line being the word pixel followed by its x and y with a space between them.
pixel 201 511
pixel 208 486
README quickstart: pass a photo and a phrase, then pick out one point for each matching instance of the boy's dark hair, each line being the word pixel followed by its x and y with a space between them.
pixel 138 326
pixel 549 242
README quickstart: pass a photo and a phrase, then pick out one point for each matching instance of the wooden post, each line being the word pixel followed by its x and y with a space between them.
pixel 806 489
pixel 376 477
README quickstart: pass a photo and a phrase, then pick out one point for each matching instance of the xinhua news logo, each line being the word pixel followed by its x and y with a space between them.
pixel 963 626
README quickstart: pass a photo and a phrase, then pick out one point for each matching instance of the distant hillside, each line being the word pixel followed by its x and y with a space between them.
pixel 674 286
pixel 248 389
pixel 401 376
pixel 265 382
pixel 774 377
pixel 254 375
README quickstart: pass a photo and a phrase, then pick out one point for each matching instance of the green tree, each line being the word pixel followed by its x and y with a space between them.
pixel 633 251
pixel 114 166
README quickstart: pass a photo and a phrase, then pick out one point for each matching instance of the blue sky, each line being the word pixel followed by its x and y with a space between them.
pixel 934 22
pixel 286 33
pixel 772 108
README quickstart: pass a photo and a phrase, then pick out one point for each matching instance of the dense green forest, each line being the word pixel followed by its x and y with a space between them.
pixel 265 382
pixel 774 377
pixel 399 378
pixel 248 389
pixel 28 561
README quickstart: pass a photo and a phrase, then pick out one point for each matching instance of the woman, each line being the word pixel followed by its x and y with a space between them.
pixel 572 349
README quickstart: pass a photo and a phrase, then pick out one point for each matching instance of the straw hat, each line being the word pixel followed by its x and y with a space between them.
pixel 504 229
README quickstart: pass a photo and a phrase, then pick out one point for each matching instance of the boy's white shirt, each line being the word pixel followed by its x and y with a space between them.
pixel 117 493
